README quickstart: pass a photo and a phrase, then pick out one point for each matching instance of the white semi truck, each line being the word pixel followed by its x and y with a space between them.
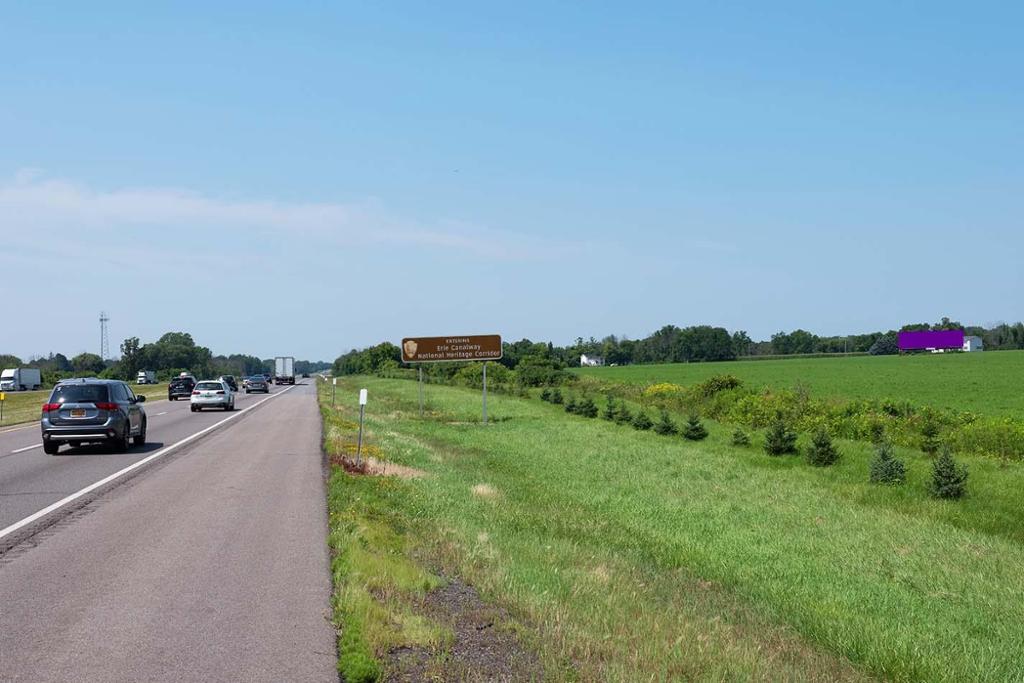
pixel 284 370
pixel 20 379
pixel 146 377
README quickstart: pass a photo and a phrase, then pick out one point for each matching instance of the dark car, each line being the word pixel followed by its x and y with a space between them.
pixel 230 381
pixel 181 387
pixel 93 410
pixel 256 383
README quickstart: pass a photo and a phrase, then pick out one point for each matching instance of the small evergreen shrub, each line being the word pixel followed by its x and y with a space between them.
pixel 545 394
pixel 570 405
pixel 556 396
pixel 622 415
pixel 610 412
pixel 642 422
pixel 949 480
pixel 693 430
pixel 665 425
pixel 886 468
pixel 822 452
pixel 779 439
pixel 586 408
pixel 740 438
pixel 930 436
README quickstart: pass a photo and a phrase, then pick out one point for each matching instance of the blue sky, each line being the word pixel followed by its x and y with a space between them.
pixel 302 181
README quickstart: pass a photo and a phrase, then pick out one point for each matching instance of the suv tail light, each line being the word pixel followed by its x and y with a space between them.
pixel 195 393
pixel 220 392
pixel 51 407
pixel 106 406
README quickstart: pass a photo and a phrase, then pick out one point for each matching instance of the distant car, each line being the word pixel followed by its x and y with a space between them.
pixel 180 387
pixel 212 394
pixel 93 410
pixel 305 375
pixel 256 383
pixel 230 381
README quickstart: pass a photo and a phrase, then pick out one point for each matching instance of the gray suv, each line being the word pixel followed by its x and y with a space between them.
pixel 90 410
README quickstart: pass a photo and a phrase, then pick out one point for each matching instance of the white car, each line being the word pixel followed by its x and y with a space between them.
pixel 212 393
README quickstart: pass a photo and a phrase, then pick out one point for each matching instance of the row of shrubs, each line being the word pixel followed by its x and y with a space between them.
pixel 725 398
pixel 949 478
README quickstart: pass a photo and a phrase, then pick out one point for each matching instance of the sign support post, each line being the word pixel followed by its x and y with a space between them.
pixel 421 389
pixel 334 390
pixel 359 444
pixel 3 399
pixel 485 392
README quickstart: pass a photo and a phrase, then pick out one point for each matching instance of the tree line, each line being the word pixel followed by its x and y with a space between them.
pixel 171 354
pixel 537 362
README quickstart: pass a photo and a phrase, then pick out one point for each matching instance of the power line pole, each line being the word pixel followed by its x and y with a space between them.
pixel 104 337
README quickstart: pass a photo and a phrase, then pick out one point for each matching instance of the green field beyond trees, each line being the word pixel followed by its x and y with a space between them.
pixel 626 555
pixel 989 383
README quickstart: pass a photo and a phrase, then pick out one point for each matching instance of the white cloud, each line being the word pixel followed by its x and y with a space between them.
pixel 32 205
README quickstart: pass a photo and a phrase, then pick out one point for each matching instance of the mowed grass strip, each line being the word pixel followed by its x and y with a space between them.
pixel 640 556
pixel 987 383
pixel 21 407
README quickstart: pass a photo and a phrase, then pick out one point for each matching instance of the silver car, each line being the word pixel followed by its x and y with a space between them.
pixel 90 410
pixel 212 393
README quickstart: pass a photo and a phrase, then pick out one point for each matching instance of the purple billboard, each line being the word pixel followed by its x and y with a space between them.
pixel 922 340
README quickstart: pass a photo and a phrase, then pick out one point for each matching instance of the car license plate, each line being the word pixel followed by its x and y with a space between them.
pixel 78 412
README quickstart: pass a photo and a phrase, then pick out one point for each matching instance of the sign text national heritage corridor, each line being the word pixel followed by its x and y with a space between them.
pixel 437 349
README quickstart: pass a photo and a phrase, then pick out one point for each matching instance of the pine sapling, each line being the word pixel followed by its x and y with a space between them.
pixel 586 407
pixel 556 396
pixel 622 415
pixel 886 468
pixel 779 439
pixel 930 442
pixel 610 410
pixel 693 430
pixel 822 452
pixel 642 422
pixel 949 479
pixel 570 405
pixel 740 438
pixel 545 394
pixel 665 425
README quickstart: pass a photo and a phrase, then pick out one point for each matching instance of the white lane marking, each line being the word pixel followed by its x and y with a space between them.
pixel 27 448
pixel 134 466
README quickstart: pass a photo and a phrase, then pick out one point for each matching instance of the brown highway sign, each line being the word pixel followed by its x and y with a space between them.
pixel 439 349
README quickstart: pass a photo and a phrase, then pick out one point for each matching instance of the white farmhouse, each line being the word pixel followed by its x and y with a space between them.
pixel 590 361
pixel 972 343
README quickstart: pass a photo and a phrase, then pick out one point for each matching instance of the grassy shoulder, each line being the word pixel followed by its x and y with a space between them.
pixel 21 407
pixel 637 556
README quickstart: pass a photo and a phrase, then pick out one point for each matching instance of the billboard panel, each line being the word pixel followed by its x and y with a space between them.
pixel 921 340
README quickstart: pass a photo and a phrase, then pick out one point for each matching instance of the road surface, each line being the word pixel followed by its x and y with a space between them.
pixel 209 564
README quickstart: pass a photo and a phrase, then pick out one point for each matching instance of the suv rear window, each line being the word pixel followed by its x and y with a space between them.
pixel 79 393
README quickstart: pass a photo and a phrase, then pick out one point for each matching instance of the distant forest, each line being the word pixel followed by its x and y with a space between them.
pixel 698 343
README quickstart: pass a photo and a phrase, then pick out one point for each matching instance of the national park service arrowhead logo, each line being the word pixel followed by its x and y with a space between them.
pixel 409 346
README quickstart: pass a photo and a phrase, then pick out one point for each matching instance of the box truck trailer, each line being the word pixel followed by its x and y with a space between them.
pixel 284 370
pixel 20 379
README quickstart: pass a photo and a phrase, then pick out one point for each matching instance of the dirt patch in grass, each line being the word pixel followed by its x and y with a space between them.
pixel 485 491
pixel 484 649
pixel 375 467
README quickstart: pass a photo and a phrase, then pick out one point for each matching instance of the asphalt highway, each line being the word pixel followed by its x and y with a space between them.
pixel 209 566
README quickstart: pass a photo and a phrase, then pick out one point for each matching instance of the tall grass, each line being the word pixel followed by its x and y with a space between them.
pixel 638 556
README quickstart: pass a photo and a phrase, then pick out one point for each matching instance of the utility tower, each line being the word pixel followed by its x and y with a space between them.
pixel 104 337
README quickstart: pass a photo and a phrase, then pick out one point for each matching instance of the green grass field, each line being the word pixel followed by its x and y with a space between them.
pixel 633 556
pixel 24 406
pixel 987 383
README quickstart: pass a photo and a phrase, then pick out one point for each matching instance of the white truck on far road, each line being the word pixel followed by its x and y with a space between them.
pixel 284 370
pixel 20 379
pixel 146 377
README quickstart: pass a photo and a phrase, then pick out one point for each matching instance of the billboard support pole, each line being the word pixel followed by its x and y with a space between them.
pixel 421 389
pixel 485 392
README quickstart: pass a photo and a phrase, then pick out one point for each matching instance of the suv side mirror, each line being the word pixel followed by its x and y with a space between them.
pixel 140 399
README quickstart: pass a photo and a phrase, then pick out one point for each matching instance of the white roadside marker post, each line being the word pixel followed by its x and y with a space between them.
pixel 334 390
pixel 359 444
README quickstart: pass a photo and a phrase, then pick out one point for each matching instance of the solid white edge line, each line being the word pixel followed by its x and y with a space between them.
pixel 26 448
pixel 134 466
